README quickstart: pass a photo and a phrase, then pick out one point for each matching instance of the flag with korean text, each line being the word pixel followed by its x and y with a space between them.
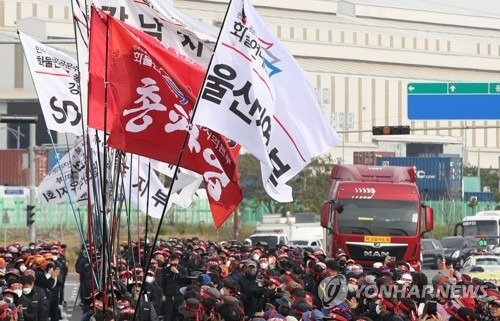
pixel 256 94
pixel 143 186
pixel 55 77
pixel 152 90
pixel 81 26
pixel 189 41
pixel 67 180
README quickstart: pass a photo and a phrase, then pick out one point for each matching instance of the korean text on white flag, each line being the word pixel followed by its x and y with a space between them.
pixel 55 77
pixel 256 94
pixel 59 187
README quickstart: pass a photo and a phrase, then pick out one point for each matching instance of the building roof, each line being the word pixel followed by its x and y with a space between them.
pixel 404 72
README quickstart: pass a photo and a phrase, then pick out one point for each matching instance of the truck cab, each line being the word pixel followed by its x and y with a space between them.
pixel 373 212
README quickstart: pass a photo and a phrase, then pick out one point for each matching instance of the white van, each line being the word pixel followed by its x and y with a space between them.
pixel 314 243
pixel 273 240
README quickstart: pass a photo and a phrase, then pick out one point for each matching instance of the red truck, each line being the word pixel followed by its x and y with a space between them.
pixel 375 211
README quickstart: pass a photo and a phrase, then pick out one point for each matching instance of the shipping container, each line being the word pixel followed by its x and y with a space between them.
pixel 438 155
pixel 370 157
pixel 436 174
pixel 427 195
pixel 14 167
pixel 480 196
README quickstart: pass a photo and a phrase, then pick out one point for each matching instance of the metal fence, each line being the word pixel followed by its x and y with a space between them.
pixel 61 216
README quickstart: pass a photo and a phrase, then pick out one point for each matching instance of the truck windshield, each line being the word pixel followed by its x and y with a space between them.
pixel 378 217
pixel 472 228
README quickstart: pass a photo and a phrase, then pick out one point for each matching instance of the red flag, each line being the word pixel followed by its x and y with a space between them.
pixel 97 73
pixel 152 90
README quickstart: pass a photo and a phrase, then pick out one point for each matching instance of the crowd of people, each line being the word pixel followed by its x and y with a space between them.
pixel 32 279
pixel 191 279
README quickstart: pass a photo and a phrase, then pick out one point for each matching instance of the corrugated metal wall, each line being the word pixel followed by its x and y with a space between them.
pixel 14 166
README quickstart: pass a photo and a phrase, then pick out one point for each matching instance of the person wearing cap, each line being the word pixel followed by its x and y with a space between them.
pixel 173 280
pixel 386 309
pixel 82 267
pixel 35 305
pixel 267 294
pixel 153 290
pixel 190 309
pixel 230 312
pixel 246 282
pixel 146 310
pixel 60 261
pixel 495 309
pixel 407 310
pixel 465 314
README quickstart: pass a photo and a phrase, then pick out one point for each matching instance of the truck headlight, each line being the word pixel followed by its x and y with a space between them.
pixel 455 254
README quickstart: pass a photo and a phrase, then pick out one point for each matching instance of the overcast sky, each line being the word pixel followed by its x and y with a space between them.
pixel 469 7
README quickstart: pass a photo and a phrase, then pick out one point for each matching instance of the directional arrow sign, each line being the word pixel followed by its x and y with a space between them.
pixel 453 101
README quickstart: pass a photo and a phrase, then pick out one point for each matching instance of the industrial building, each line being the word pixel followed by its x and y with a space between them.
pixel 360 57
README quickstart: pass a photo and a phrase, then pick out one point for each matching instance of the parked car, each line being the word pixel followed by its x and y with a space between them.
pixel 485 267
pixel 432 253
pixel 457 249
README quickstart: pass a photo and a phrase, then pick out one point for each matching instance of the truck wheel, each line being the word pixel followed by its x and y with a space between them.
pixel 439 262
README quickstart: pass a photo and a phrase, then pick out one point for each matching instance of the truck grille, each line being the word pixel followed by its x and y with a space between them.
pixel 368 252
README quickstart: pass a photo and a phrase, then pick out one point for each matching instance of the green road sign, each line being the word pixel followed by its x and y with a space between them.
pixel 482 242
pixel 494 87
pixel 427 88
pixel 453 101
pixel 468 88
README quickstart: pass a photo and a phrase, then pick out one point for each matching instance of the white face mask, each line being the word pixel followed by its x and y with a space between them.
pixel 263 266
pixel 23 268
pixel 150 279
pixel 120 307
pixel 18 292
pixel 255 257
pixel 222 291
pixel 27 290
pixel 228 263
pixel 377 309
pixel 55 257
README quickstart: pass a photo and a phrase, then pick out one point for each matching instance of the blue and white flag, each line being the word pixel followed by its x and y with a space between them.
pixel 257 95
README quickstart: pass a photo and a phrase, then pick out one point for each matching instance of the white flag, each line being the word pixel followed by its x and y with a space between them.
pixel 55 77
pixel 257 95
pixel 80 18
pixel 136 185
pixel 54 187
pixel 202 30
pixel 194 44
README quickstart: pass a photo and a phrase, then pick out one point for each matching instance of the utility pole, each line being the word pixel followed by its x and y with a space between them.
pixel 32 178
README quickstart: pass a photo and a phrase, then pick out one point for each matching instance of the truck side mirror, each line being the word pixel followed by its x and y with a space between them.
pixel 429 219
pixel 325 214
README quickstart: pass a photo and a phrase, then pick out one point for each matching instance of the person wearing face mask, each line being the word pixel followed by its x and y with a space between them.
pixel 35 306
pixel 245 282
pixel 153 290
pixel 60 261
pixel 174 278
pixel 146 310
pixel 263 263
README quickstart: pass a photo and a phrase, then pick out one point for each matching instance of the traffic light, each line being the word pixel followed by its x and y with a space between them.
pixel 391 130
pixel 30 215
